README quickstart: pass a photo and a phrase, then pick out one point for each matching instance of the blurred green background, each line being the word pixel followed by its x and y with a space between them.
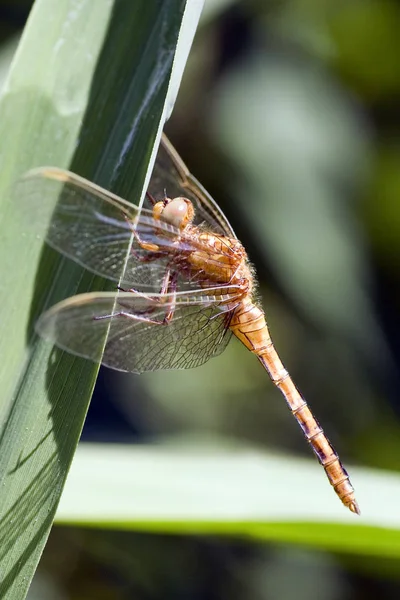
pixel 288 114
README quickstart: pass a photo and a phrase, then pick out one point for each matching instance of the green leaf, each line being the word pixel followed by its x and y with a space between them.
pixel 209 489
pixel 88 91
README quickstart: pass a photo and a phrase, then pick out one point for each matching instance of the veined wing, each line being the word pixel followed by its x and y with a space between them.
pixel 119 330
pixel 94 227
pixel 171 173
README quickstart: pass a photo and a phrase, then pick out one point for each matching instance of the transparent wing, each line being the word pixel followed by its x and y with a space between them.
pixel 171 173
pixel 94 228
pixel 132 325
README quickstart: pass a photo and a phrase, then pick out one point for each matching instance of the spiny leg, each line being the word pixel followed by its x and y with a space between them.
pixel 168 286
pixel 167 279
pixel 151 198
pixel 149 257
pixel 132 317
pixel 144 245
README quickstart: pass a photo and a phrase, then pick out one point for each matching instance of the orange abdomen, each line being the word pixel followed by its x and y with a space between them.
pixel 249 325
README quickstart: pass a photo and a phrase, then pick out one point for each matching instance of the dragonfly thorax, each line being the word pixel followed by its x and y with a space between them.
pixel 178 212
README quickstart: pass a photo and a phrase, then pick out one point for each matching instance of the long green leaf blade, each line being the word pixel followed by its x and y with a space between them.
pixel 86 91
pixel 209 489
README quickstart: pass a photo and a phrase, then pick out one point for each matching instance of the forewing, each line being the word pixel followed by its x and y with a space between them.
pixel 132 325
pixel 170 173
pixel 94 227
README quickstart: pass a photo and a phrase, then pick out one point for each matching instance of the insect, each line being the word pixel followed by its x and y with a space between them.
pixel 185 285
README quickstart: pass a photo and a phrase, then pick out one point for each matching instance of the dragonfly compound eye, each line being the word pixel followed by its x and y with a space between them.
pixel 178 212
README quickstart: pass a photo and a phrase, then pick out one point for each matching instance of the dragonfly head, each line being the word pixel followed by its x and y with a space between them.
pixel 178 212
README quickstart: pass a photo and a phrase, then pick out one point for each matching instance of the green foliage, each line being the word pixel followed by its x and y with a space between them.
pixel 86 91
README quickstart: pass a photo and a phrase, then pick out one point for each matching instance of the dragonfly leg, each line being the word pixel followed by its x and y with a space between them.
pixel 149 258
pixel 144 245
pixel 132 317
pixel 168 286
pixel 171 287
pixel 164 288
pixel 151 198
pixel 122 313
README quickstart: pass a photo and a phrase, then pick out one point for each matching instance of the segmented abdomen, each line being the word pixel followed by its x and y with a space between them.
pixel 249 325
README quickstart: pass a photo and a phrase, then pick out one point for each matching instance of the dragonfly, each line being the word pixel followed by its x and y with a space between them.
pixel 184 284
